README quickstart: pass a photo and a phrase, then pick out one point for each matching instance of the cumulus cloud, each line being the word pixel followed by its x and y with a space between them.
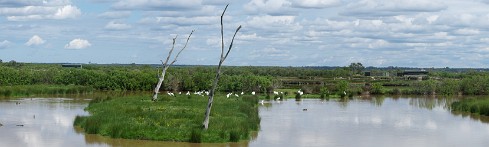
pixel 375 8
pixel 317 4
pixel 274 23
pixel 78 44
pixel 115 14
pixel 35 40
pixel 271 7
pixel 467 31
pixel 270 52
pixel 188 21
pixel 113 25
pixel 151 5
pixel 4 44
pixel 40 12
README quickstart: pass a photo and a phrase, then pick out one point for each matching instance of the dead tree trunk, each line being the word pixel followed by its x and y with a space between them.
pixel 205 124
pixel 165 65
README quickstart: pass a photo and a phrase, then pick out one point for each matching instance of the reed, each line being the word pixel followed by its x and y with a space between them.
pixel 476 106
pixel 33 90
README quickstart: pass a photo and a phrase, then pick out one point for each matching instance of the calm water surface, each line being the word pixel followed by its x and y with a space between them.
pixel 359 122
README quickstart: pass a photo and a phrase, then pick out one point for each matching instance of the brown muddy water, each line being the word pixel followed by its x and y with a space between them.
pixel 359 122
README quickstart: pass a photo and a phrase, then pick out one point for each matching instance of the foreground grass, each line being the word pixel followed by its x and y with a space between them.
pixel 476 106
pixel 31 90
pixel 172 118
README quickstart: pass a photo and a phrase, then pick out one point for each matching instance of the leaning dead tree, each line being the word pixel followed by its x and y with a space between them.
pixel 205 124
pixel 165 65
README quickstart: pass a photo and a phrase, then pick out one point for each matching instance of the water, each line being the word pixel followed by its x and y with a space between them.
pixel 368 122
pixel 359 122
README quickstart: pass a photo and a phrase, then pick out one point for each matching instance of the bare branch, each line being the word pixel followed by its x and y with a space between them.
pixel 169 53
pixel 188 38
pixel 232 41
pixel 222 33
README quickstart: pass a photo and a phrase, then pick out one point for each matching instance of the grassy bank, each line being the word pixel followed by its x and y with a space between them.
pixel 172 118
pixel 32 90
pixel 476 106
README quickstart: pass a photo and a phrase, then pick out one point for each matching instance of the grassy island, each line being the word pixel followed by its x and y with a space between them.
pixel 476 106
pixel 172 118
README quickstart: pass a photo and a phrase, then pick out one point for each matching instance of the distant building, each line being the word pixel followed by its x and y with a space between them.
pixel 413 74
pixel 376 74
pixel 72 65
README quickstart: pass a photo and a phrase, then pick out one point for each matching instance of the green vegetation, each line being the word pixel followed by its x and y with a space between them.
pixel 314 81
pixel 476 106
pixel 172 118
pixel 31 90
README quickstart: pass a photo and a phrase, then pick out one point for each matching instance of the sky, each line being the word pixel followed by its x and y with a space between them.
pixel 381 33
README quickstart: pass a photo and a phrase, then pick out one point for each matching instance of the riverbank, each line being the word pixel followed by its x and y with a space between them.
pixel 172 118
pixel 476 106
pixel 33 90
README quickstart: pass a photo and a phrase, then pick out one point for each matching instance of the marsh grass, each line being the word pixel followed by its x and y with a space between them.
pixel 172 118
pixel 476 106
pixel 32 90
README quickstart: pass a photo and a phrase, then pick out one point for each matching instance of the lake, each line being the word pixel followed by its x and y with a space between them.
pixel 310 122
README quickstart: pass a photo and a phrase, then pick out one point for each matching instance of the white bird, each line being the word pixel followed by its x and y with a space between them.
pixel 229 94
pixel 180 93
pixel 188 93
pixel 253 93
pixel 344 92
pixel 207 93
pixel 278 98
pixel 236 95
pixel 242 92
pixel 262 101
pixel 275 92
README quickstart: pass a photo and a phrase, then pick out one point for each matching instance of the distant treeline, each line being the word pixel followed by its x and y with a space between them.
pixel 242 78
pixel 128 77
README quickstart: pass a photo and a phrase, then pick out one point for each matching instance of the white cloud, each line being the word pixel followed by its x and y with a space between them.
pixel 35 40
pixel 67 11
pixel 115 14
pixel 40 12
pixel 78 44
pixel 275 23
pixel 375 8
pixel 272 7
pixel 156 4
pixel 4 44
pixel 467 31
pixel 270 53
pixel 112 25
pixel 189 21
pixel 317 4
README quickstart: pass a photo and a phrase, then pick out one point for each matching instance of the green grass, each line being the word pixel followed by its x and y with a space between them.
pixel 172 118
pixel 476 106
pixel 33 90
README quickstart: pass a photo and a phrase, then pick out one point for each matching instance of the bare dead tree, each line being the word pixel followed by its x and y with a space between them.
pixel 165 65
pixel 205 124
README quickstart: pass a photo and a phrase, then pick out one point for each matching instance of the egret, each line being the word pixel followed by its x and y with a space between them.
pixel 242 92
pixel 236 95
pixel 275 92
pixel 344 92
pixel 262 101
pixel 278 98
pixel 180 93
pixel 229 94
pixel 188 93
pixel 253 93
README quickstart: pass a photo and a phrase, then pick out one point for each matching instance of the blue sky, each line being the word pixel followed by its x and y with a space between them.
pixel 408 33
